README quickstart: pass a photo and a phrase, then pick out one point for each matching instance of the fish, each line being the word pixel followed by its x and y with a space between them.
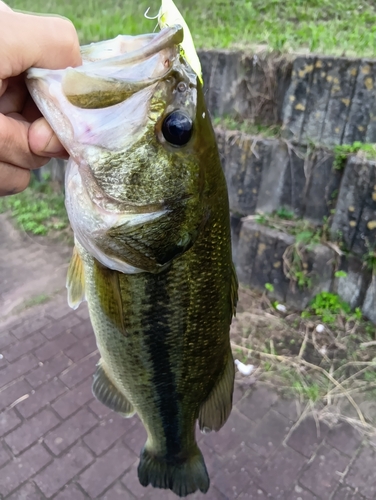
pixel 147 201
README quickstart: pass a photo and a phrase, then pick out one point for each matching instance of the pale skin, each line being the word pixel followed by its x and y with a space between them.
pixel 26 140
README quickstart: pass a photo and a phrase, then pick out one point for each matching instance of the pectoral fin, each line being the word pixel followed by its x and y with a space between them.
pixel 106 392
pixel 217 408
pixel 75 281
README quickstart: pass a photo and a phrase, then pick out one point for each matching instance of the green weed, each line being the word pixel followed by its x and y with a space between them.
pixel 38 210
pixel 343 151
pixel 328 305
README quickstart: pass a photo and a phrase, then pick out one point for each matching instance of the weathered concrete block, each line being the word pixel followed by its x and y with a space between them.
pixel 223 73
pixel 259 257
pixel 259 260
pixel 323 184
pixel 243 157
pixel 353 287
pixel 265 174
pixel 295 102
pixel 361 125
pixel 283 179
pixel 245 85
pixel 355 217
pixel 320 262
pixel 319 102
pixel 369 305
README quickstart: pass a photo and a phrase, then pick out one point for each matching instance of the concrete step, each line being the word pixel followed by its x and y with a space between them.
pixel 315 98
pixel 264 175
pixel 261 256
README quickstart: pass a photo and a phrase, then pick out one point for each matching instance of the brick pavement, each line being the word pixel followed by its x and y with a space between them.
pixel 57 442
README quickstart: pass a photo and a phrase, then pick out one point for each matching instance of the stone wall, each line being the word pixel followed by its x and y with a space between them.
pixel 319 103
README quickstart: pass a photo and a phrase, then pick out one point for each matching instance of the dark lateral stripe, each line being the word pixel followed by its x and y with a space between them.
pixel 156 330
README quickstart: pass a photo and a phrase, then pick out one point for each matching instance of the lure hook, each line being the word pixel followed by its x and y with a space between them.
pixel 148 17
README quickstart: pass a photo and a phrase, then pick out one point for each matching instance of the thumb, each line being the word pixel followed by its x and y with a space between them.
pixel 43 141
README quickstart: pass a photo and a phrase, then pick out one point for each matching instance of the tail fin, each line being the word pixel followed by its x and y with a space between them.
pixel 182 478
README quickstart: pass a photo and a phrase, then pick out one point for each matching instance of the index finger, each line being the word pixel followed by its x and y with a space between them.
pixel 28 40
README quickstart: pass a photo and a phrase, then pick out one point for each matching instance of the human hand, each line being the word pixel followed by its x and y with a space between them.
pixel 26 139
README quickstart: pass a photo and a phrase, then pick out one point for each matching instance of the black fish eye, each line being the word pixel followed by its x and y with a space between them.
pixel 177 128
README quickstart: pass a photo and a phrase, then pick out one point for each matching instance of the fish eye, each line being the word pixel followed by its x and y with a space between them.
pixel 177 128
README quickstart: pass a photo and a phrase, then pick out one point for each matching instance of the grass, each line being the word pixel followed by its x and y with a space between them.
pixel 326 26
pixel 39 210
pixel 326 357
pixel 247 126
pixel 343 151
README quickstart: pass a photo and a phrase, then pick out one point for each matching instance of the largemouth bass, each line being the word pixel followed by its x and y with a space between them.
pixel 148 204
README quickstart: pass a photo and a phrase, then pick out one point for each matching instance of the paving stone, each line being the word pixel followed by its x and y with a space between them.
pixel 243 458
pixel 72 400
pixel 82 348
pixel 70 430
pixel 61 326
pixel 258 403
pixel 324 473
pixel 361 474
pixel 281 472
pixel 12 393
pixel 31 430
pixel 4 455
pixel 236 430
pixel 62 470
pixel 299 493
pixel 135 437
pixel 117 492
pixel 345 438
pixel 8 421
pixel 22 468
pixel 79 371
pixel 60 308
pixel 83 330
pixel 213 460
pixel 44 395
pixel 289 408
pixel 17 369
pixel 108 432
pixel 253 493
pixel 52 347
pixel 106 470
pixel 30 327
pixel 16 351
pixel 213 494
pixel 48 370
pixel 100 410
pixel 27 492
pixel 71 492
pixel 232 484
pixel 268 434
pixel 131 483
pixel 83 311
pixel 307 437
pixel 6 339
pixel 346 493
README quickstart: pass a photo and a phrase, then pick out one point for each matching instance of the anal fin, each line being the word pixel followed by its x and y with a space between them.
pixel 217 408
pixel 75 281
pixel 106 392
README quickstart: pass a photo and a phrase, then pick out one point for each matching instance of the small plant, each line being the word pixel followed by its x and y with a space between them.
pixel 327 305
pixel 340 274
pixel 285 213
pixel 343 151
pixel 269 287
pixel 39 209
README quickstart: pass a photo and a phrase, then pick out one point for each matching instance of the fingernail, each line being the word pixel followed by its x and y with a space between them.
pixel 53 146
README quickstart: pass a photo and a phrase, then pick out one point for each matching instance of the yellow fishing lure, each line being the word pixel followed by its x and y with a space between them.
pixel 168 16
